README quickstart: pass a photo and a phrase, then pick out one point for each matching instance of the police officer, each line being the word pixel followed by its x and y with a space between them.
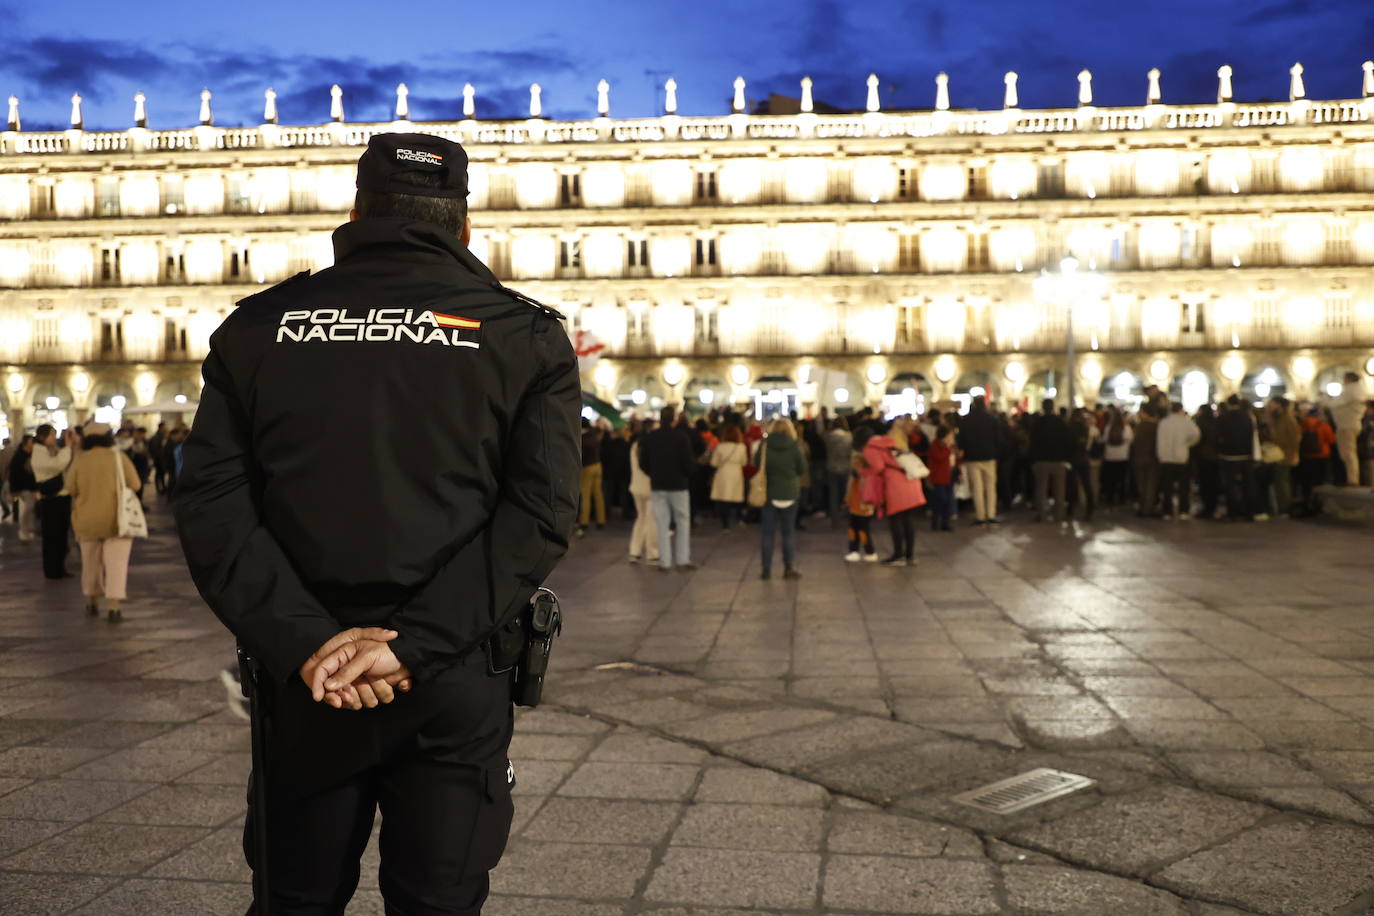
pixel 383 469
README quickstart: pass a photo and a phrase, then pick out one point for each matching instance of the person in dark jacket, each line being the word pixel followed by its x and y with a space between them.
pixel 593 497
pixel 1236 455
pixel 1145 460
pixel 352 567
pixel 666 456
pixel 980 447
pixel 615 463
pixel 24 488
pixel 784 466
pixel 1204 459
pixel 1051 447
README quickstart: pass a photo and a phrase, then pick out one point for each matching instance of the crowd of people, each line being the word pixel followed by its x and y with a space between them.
pixel 59 488
pixel 1236 461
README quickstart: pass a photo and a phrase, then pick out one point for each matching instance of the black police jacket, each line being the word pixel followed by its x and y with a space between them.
pixel 1050 439
pixel 980 436
pixel 393 440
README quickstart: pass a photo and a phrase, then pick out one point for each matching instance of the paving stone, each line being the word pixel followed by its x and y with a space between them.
pixel 601 820
pixel 202 898
pixel 21 834
pixel 203 736
pixel 106 734
pixel 629 746
pixel 892 834
pixel 539 777
pixel 1290 868
pixel 736 826
pixel 550 722
pixel 650 781
pixel 104 849
pixel 585 871
pixel 731 877
pixel 194 806
pixel 550 747
pixel 1343 766
pixel 1039 890
pixel 36 762
pixel 821 742
pixel 1138 833
pixel 1193 734
pixel 217 856
pixel 1248 768
pixel 903 771
pixel 504 905
pixel 889 884
pixel 738 726
pixel 48 895
pixel 757 787
pixel 149 764
pixel 68 800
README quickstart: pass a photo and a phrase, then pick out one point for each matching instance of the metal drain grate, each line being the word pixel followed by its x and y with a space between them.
pixel 1022 791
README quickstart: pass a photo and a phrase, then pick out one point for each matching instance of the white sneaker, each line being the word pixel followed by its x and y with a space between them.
pixel 852 557
pixel 870 558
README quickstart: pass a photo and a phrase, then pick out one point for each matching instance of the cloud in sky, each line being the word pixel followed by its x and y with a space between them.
pixel 106 55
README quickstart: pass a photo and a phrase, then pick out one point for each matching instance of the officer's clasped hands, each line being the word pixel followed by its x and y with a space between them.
pixel 356 669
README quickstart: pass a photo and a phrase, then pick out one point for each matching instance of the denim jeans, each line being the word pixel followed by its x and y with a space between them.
pixel 774 518
pixel 941 499
pixel 673 507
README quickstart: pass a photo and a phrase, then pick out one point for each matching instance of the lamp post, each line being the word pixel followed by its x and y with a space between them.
pixel 1069 287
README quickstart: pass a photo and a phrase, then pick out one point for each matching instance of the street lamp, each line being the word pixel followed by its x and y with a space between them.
pixel 1069 287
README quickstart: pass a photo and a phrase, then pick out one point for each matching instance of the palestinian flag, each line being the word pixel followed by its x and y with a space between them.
pixel 464 330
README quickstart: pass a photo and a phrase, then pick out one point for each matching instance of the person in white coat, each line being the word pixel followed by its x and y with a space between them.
pixel 644 534
pixel 727 487
pixel 1177 434
pixel 1347 409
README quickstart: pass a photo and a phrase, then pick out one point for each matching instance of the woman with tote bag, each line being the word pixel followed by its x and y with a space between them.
pixel 106 516
pixel 727 487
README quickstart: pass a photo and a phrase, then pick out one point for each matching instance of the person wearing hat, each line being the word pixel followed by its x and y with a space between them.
pixel 355 570
pixel 455 401
pixel 94 489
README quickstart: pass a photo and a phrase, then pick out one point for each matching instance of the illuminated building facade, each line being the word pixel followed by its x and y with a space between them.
pixel 785 259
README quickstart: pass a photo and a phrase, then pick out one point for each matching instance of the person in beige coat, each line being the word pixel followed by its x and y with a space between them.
pixel 644 535
pixel 94 489
pixel 727 487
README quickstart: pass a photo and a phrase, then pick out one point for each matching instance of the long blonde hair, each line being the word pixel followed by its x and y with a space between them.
pixel 783 426
pixel 899 439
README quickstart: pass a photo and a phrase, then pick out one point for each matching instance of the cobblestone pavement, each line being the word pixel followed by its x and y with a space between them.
pixel 714 744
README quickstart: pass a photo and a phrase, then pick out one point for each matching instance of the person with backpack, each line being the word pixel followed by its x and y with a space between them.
pixel 1314 457
pixel 860 513
pixel 1236 448
pixel 1116 457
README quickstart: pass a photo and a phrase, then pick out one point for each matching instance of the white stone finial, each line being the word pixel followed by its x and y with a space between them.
pixel 738 104
pixel 76 111
pixel 536 104
pixel 402 102
pixel 12 119
pixel 670 96
pixel 469 105
pixel 1369 79
pixel 140 110
pixel 1152 94
pixel 1010 99
pixel 269 107
pixel 1085 87
pixel 872 104
pixel 1296 90
pixel 1224 73
pixel 942 92
pixel 206 116
pixel 336 112
pixel 806 102
pixel 603 98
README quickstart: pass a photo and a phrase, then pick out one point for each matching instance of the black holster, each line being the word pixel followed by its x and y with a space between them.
pixel 525 645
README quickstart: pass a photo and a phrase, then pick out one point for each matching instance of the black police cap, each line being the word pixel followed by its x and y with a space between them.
pixel 410 163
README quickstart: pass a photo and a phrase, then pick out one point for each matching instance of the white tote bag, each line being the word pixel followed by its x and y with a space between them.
pixel 131 523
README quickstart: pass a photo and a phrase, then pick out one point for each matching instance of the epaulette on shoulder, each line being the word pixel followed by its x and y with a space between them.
pixel 547 310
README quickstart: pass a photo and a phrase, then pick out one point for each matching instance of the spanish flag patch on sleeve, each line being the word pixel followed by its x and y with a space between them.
pixel 465 331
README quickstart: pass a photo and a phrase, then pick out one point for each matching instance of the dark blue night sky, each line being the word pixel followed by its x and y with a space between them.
pixel 170 50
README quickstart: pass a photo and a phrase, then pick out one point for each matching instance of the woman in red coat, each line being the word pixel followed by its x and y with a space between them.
pixel 898 496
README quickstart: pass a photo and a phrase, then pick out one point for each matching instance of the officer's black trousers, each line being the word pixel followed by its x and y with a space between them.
pixel 434 761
